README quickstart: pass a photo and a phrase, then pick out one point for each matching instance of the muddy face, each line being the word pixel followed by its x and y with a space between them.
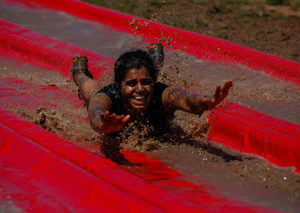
pixel 137 90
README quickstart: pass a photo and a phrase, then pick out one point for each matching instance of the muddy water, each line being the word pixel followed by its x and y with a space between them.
pixel 183 148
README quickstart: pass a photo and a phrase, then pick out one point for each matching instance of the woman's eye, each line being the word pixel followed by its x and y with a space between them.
pixel 131 83
pixel 146 81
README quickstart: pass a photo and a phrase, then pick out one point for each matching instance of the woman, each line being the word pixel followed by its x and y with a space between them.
pixel 136 95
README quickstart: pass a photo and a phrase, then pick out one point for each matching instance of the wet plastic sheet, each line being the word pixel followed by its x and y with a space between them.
pixel 271 138
pixel 41 172
pixel 48 53
pixel 249 131
pixel 195 44
pixel 26 95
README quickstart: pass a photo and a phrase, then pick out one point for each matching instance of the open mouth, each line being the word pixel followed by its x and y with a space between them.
pixel 139 100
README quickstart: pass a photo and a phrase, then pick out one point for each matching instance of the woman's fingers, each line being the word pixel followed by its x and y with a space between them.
pixel 112 122
pixel 106 115
pixel 221 94
pixel 126 119
pixel 218 92
pixel 102 118
pixel 227 86
pixel 120 117
pixel 112 116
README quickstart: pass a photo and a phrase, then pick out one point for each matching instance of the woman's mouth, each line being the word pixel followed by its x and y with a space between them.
pixel 139 101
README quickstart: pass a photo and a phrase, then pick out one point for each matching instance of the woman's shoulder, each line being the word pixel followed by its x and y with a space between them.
pixel 157 93
pixel 110 90
pixel 109 87
pixel 115 96
pixel 159 87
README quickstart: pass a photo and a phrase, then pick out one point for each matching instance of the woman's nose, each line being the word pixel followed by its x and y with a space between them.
pixel 139 87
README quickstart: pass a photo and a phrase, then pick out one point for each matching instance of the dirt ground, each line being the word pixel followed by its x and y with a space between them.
pixel 271 26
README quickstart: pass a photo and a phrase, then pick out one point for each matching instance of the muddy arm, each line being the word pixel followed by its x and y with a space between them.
pixel 100 115
pixel 176 99
pixel 99 104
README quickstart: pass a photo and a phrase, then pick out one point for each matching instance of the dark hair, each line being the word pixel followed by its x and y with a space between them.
pixel 134 59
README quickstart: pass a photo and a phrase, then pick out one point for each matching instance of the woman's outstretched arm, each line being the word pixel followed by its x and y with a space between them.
pixel 176 99
pixel 100 117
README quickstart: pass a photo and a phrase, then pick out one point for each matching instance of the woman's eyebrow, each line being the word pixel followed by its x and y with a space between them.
pixel 131 80
pixel 137 80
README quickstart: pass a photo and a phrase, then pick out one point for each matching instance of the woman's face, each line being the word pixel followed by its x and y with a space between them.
pixel 137 89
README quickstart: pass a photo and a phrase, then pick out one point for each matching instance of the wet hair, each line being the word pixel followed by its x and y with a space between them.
pixel 134 59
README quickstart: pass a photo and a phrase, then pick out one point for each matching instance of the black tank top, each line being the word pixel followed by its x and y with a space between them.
pixel 155 115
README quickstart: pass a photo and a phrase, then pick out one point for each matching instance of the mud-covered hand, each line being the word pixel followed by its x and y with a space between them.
pixel 220 95
pixel 110 123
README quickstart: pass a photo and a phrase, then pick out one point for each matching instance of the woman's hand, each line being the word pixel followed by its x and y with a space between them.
pixel 112 123
pixel 176 99
pixel 219 96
